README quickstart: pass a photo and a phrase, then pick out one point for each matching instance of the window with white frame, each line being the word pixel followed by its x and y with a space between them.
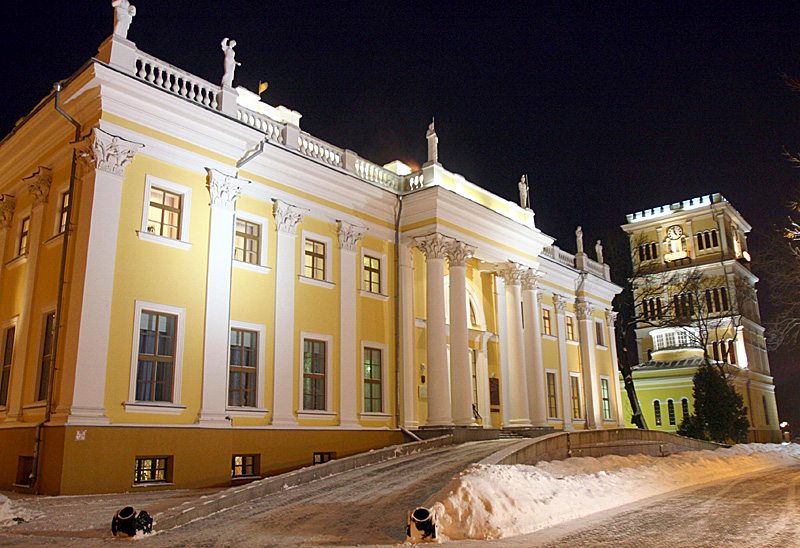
pixel 316 374
pixel 570 323
pixel 648 251
pixel 605 397
pixel 23 236
pixel 707 239
pixel 165 215
pixel 716 299
pixel 317 260
pixel 651 308
pixel 547 321
pixel 157 357
pixel 657 412
pixel 46 358
pixel 243 368
pixel 552 395
pixel 7 355
pixel 373 379
pixel 372 274
pixel 575 395
pixel 250 241
pixel 599 333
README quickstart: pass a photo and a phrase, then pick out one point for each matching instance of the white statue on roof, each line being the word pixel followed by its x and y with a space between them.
pixel 230 62
pixel 598 247
pixel 579 239
pixel 433 143
pixel 123 15
pixel 524 195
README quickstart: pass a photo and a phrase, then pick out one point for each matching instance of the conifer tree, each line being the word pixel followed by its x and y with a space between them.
pixel 719 411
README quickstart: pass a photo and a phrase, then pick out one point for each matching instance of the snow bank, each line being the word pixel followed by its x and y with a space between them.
pixel 11 513
pixel 487 502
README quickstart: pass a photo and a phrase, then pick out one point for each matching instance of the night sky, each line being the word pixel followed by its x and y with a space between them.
pixel 609 108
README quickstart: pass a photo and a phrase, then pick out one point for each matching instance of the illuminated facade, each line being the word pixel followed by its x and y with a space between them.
pixel 241 298
pixel 693 288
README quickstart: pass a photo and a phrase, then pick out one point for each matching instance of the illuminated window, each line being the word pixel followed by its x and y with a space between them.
pixel 63 211
pixel 152 470
pixel 598 331
pixel 314 359
pixel 605 397
pixel 314 260
pixel 547 322
pixel 323 457
pixel 5 374
pixel 243 369
pixel 247 242
pixel 571 328
pixel 164 214
pixel 575 395
pixel 657 411
pixel 671 411
pixel 156 359
pixel 373 380
pixel 244 465
pixel 46 363
pixel 552 398
pixel 372 274
pixel 24 229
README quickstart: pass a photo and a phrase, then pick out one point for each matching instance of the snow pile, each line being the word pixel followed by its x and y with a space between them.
pixel 487 502
pixel 11 514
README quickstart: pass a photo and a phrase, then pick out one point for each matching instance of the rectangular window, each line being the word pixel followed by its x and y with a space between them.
pixel 373 381
pixel 243 370
pixel 575 394
pixel 63 211
pixel 5 374
pixel 156 357
pixel 605 396
pixel 671 412
pixel 314 260
pixel 323 457
pixel 372 274
pixel 24 229
pixel 571 328
pixel 151 470
pixel 246 247
pixel 552 399
pixel 685 408
pixel 314 375
pixel 547 322
pixel 657 411
pixel 47 356
pixel 164 214
pixel 244 465
pixel 598 332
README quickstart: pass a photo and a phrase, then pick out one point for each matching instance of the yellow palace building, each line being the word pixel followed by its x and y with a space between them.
pixel 694 290
pixel 194 291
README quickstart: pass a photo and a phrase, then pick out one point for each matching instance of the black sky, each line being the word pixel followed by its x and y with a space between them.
pixel 608 107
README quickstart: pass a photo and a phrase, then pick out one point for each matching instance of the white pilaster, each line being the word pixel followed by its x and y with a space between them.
pixel 349 236
pixel 105 157
pixel 287 217
pixel 407 329
pixel 7 204
pixel 611 318
pixel 591 382
pixel 563 364
pixel 534 362
pixel 517 380
pixel 223 190
pixel 691 243
pixel 460 373
pixel 502 335
pixel 439 411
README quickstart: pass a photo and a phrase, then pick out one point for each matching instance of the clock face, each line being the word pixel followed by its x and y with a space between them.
pixel 674 232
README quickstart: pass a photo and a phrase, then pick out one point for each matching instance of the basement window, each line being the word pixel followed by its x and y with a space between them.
pixel 320 458
pixel 153 470
pixel 244 465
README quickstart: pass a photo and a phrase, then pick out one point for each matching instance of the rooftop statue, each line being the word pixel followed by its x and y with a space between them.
pixel 579 239
pixel 524 198
pixel 230 61
pixel 123 15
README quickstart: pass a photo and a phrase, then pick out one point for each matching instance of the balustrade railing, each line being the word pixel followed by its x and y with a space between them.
pixel 175 80
pixel 273 129
pixel 375 173
pixel 316 148
pixel 595 268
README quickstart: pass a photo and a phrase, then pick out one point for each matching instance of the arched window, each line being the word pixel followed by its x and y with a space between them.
pixel 657 411
pixel 685 406
pixel 671 410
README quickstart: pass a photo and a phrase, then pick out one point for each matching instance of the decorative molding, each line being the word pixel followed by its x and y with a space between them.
pixel 585 310
pixel 434 245
pixel 560 304
pixel 539 296
pixel 531 279
pixel 287 217
pixel 7 204
pixel 511 272
pixel 223 189
pixel 350 235
pixel 105 152
pixel 458 253
pixel 611 316
pixel 39 184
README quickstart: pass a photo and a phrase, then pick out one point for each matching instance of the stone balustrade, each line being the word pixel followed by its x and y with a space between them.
pixel 175 80
pixel 376 174
pixel 319 149
pixel 272 129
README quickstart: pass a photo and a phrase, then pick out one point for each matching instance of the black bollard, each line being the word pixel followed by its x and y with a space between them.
pixel 124 523
pixel 421 526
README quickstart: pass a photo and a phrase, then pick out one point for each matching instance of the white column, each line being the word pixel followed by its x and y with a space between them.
pixel 439 412
pixel 98 212
pixel 611 318
pixel 517 381
pixel 224 191
pixel 460 370
pixel 591 382
pixel 408 336
pixel 39 185
pixel 287 217
pixel 566 407
pixel 7 204
pixel 534 362
pixel 502 347
pixel 660 244
pixel 723 235
pixel 349 361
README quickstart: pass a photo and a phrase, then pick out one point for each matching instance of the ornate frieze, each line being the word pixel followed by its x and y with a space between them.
pixel 531 279
pixel 434 246
pixel 39 184
pixel 223 189
pixel 459 252
pixel 7 204
pixel 350 235
pixel 560 304
pixel 511 272
pixel 287 217
pixel 105 152
pixel 585 311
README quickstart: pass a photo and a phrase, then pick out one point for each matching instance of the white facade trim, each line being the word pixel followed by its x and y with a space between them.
pixel 328 411
pixel 328 242
pixel 186 202
pixel 261 330
pixel 263 224
pixel 384 349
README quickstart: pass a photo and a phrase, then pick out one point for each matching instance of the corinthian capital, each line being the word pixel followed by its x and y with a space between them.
pixel 585 311
pixel 531 279
pixel 458 253
pixel 350 235
pixel 7 204
pixel 287 217
pixel 611 316
pixel 39 184
pixel 105 152
pixel 223 189
pixel 560 303
pixel 511 272
pixel 434 246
